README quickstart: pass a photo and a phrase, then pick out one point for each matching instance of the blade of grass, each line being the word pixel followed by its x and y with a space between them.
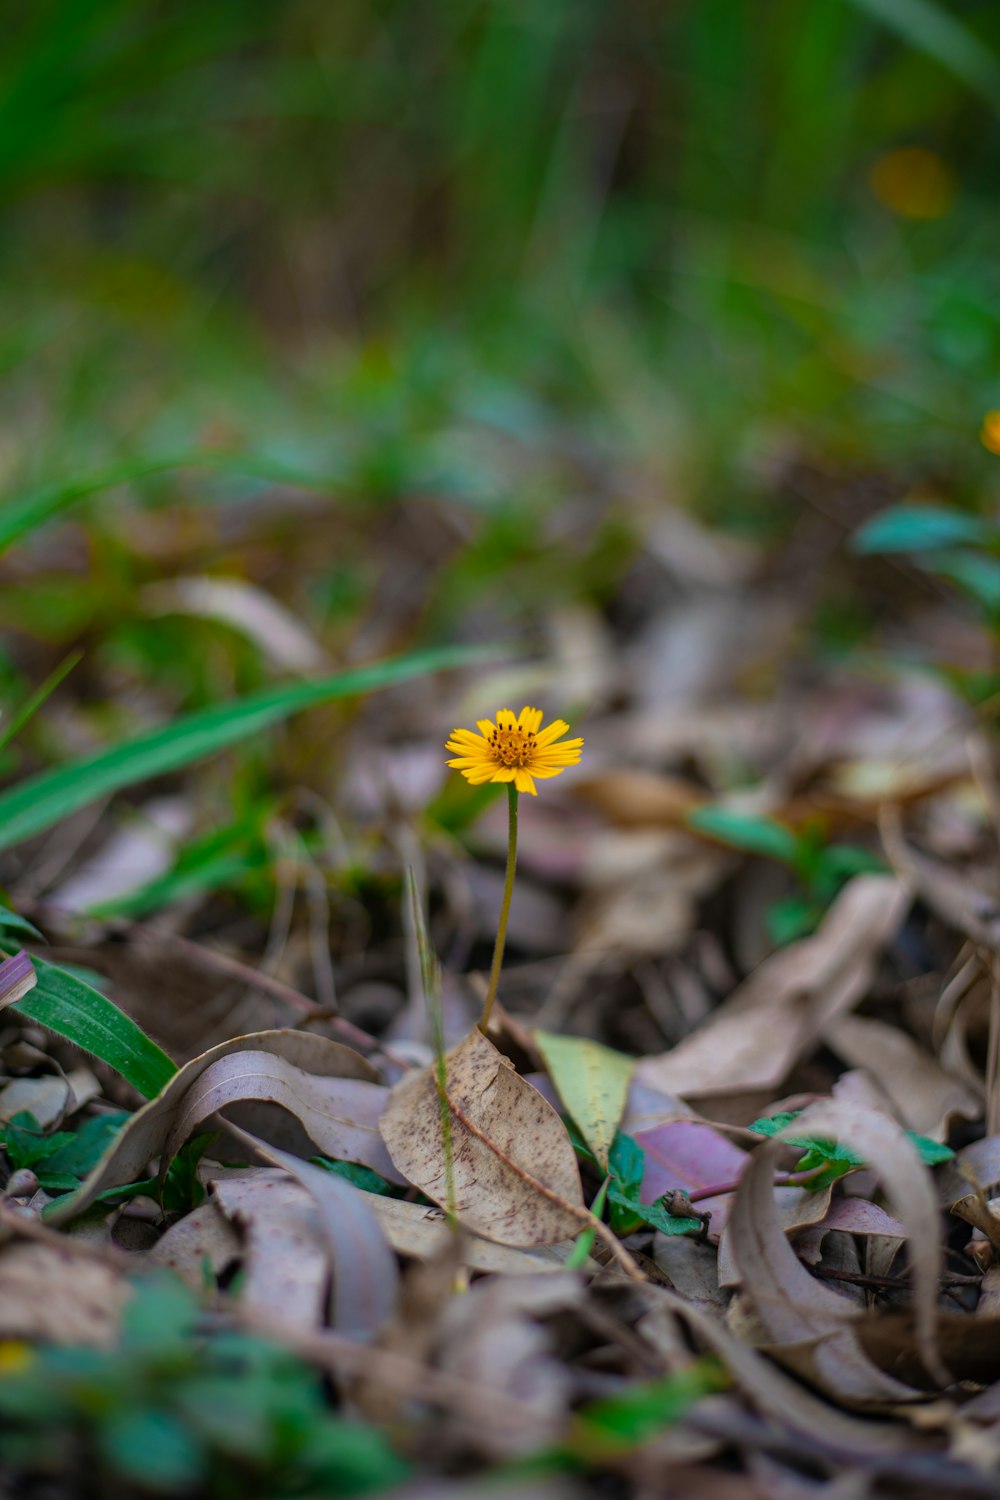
pixel 74 1010
pixel 430 974
pixel 32 704
pixel 25 513
pixel 584 1242
pixel 935 31
pixel 45 799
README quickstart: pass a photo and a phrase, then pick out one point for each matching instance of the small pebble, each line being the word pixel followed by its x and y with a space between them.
pixel 22 1184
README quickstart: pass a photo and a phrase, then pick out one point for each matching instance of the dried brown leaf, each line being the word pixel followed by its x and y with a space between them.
pixel 923 1095
pixel 202 1237
pixel 146 1133
pixel 59 1295
pixel 339 1115
pixel 785 1401
pixel 791 1305
pixel 286 1260
pixel 365 1274
pixel 753 1039
pixel 415 1230
pixel 516 1179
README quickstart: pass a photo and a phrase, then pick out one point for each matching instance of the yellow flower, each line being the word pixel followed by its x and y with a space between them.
pixel 989 433
pixel 513 749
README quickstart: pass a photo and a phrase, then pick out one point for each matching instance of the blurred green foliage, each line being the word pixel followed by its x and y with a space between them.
pixel 171 1410
pixel 330 233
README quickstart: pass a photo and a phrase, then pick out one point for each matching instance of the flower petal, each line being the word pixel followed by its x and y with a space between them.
pixel 506 773
pixel 466 763
pixel 524 783
pixel 468 744
pixel 486 728
pixel 551 732
pixel 529 720
pixel 506 719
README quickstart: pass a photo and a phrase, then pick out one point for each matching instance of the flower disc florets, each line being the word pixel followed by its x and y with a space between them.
pixel 513 749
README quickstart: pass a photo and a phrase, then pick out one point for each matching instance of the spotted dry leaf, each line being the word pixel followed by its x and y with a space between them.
pixel 515 1176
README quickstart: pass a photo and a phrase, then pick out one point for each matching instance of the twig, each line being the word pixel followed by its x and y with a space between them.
pixel 886 1283
pixel 790 1179
pixel 208 961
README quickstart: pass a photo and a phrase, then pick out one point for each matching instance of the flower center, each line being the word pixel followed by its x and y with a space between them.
pixel 512 747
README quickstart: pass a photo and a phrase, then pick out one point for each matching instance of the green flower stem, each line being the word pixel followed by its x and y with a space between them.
pixel 508 890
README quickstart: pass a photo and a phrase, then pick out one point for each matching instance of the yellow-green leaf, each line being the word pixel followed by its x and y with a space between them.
pixel 592 1082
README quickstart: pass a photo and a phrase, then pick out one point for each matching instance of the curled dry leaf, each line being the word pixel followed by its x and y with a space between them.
pixel 201 1238
pixel 786 1402
pixel 148 1131
pixel 790 1304
pixel 365 1275
pixel 923 1095
pixel 277 633
pixel 494 1337
pixel 771 1019
pixel 515 1177
pixel 339 1115
pixel 286 1262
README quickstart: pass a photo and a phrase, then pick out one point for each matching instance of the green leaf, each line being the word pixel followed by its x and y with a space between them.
pixel 942 36
pixel 362 1177
pixel 25 1142
pixel 72 1009
pixel 182 1188
pixel 750 831
pixel 838 1160
pixel 80 1153
pixel 154 1449
pixel 975 573
pixel 592 1081
pixel 919 528
pixel 44 800
pixel 637 1416
pixel 160 1317
pixel 791 918
pixel 770 1124
pixel 15 926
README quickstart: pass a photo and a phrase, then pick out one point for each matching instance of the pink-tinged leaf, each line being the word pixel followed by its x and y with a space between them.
pixel 687 1155
pixel 852 1216
pixel 17 977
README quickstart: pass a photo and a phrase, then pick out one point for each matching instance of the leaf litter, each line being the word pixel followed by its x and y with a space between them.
pixel 744 1233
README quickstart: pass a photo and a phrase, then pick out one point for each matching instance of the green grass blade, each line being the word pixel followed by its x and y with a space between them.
pixel 38 698
pixel 64 1004
pixel 44 800
pixel 25 513
pixel 935 31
